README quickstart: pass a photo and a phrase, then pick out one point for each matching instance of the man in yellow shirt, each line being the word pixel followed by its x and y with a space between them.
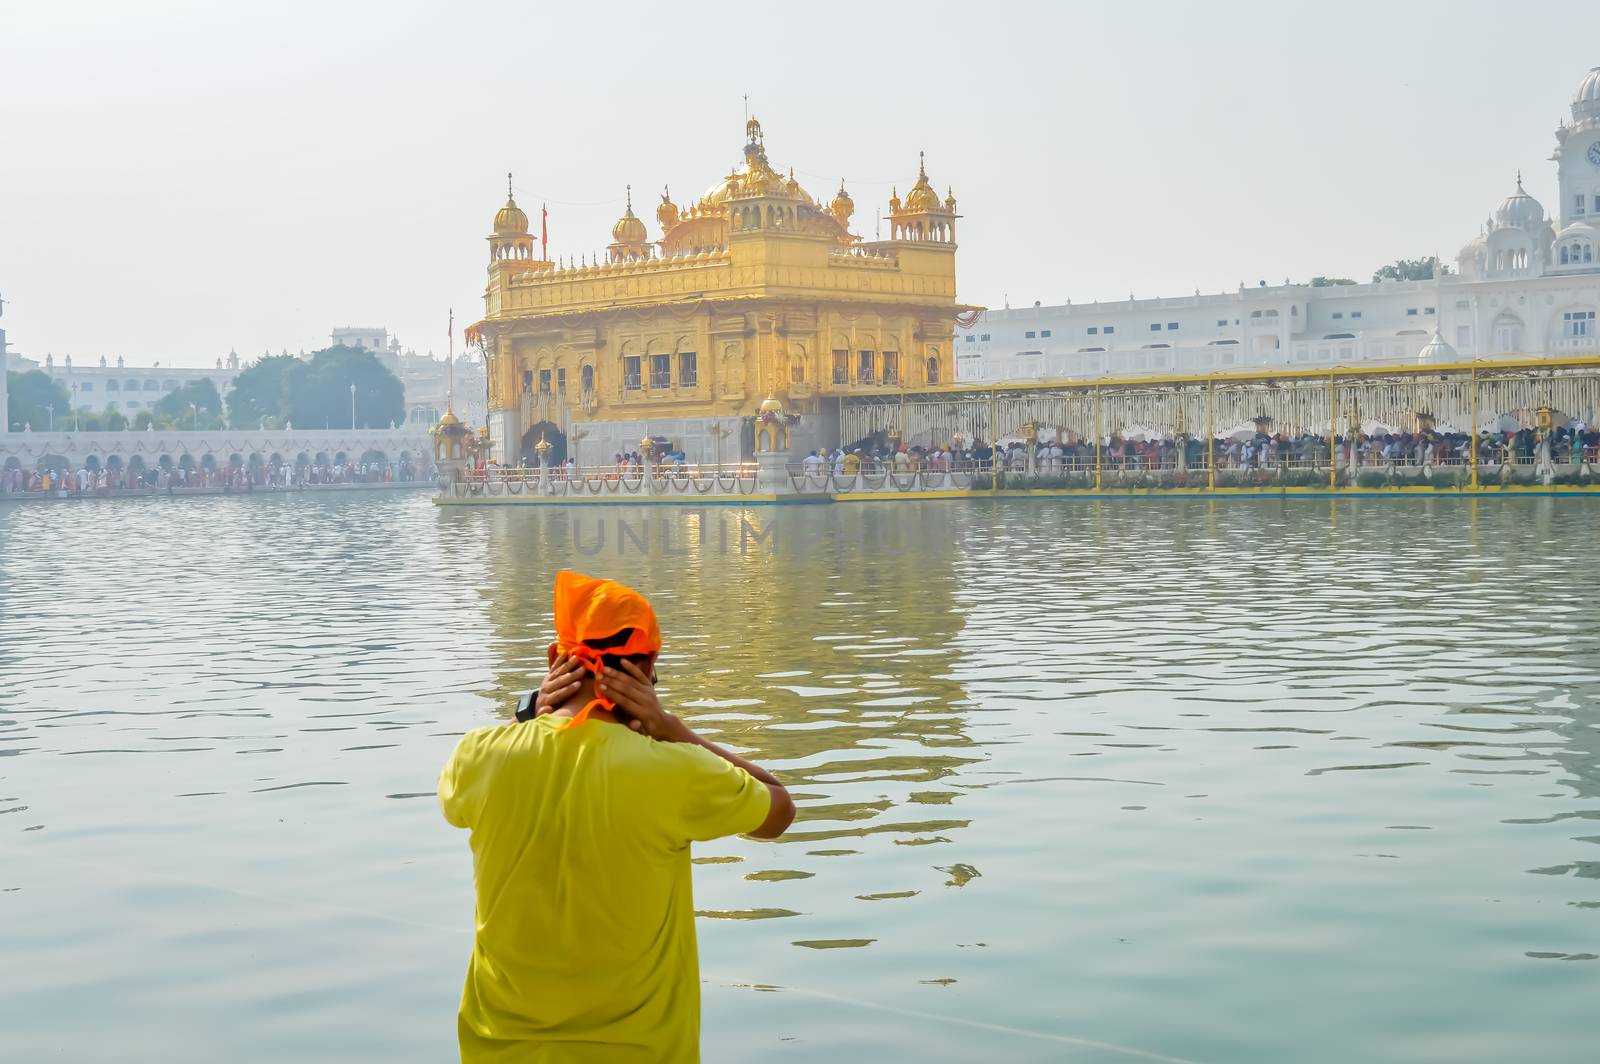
pixel 581 819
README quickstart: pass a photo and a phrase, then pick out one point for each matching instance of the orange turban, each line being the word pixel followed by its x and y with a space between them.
pixel 591 609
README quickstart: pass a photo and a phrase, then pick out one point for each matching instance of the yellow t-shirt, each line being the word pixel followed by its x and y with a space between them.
pixel 585 949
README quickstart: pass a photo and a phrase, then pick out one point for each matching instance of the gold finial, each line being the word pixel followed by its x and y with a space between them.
pixel 543 446
pixel 630 199
pixel 508 185
pixel 922 165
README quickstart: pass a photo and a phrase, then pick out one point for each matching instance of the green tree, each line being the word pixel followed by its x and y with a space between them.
pixel 1413 270
pixel 261 393
pixel 115 420
pixel 319 391
pixel 30 398
pixel 1329 282
pixel 201 394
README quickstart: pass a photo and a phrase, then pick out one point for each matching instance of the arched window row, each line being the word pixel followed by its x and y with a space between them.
pixel 1512 259
pixel 1576 253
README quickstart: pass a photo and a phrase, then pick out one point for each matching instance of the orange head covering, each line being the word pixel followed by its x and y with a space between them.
pixel 589 608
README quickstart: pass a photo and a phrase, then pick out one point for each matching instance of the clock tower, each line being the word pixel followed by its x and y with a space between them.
pixel 1578 155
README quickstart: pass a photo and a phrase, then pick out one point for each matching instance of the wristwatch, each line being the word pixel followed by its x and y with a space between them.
pixel 525 705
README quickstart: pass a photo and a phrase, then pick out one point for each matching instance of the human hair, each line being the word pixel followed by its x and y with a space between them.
pixel 612 661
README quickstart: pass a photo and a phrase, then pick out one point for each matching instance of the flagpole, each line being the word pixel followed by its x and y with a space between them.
pixel 450 367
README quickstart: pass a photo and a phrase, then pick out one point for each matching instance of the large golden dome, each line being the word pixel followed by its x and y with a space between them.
pixel 510 221
pixel 756 177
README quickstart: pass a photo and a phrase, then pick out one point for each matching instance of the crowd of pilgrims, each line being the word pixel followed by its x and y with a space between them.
pixel 1568 445
pixel 626 463
pixel 85 481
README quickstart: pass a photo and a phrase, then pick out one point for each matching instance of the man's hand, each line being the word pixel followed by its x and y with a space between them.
pixel 635 695
pixel 562 682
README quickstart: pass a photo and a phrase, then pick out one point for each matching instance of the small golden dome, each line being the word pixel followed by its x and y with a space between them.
pixel 449 420
pixel 922 198
pixel 510 221
pixel 770 405
pixel 667 212
pixel 629 229
pixel 950 200
pixel 842 206
pixel 894 201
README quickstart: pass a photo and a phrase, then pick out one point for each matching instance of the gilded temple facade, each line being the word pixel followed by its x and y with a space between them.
pixel 755 291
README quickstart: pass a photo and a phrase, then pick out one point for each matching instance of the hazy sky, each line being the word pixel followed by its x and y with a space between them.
pixel 181 178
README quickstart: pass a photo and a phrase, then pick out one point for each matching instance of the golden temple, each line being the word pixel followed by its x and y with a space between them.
pixel 755 291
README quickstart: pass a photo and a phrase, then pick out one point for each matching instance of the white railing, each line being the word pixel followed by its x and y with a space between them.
pixel 609 481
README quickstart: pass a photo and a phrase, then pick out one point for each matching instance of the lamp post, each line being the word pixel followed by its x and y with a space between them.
pixel 77 421
pixel 195 409
pixel 718 430
pixel 352 407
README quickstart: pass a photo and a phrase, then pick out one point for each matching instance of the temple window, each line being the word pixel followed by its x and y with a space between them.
pixel 660 371
pixel 841 366
pixel 865 368
pixel 544 382
pixel 112 386
pixel 891 367
pixel 688 370
pixel 630 373
pixel 933 371
pixel 586 378
pixel 561 381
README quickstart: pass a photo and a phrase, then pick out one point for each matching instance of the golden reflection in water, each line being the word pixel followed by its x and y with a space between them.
pixel 819 644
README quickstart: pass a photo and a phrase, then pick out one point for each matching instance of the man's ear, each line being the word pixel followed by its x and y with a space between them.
pixel 550 656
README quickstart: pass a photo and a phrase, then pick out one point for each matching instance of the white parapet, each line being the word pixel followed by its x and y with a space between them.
pixel 28 449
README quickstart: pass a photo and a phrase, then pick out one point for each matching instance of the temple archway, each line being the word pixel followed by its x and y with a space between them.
pixel 550 433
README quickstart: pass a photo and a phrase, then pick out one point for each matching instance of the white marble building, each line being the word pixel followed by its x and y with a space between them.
pixel 426 378
pixel 95 386
pixel 5 362
pixel 1527 285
